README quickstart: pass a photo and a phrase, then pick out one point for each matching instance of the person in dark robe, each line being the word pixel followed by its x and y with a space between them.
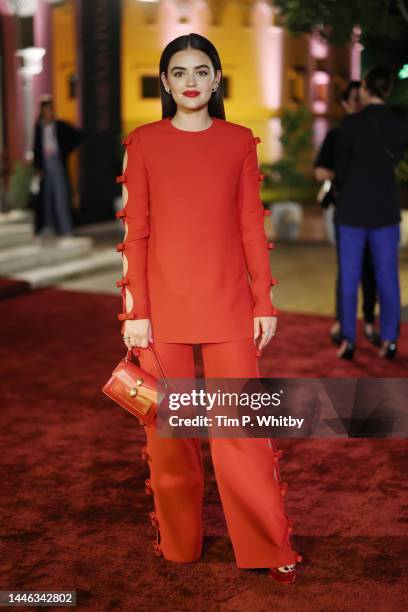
pixel 54 140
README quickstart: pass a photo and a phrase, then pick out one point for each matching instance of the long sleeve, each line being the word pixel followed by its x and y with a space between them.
pixel 135 216
pixel 256 246
pixel 38 158
pixel 74 136
pixel 68 137
pixel 326 156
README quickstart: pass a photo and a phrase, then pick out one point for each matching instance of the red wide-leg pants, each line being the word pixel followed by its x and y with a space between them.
pixel 246 470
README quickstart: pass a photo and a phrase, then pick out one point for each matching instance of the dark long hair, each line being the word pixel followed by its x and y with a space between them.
pixel 345 94
pixel 194 41
pixel 44 102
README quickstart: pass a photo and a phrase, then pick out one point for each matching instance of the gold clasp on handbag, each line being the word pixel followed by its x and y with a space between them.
pixel 134 391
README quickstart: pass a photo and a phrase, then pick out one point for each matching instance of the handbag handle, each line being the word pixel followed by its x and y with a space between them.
pixel 129 356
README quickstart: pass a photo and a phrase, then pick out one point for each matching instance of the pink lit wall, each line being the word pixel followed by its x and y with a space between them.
pixel 355 55
pixel 42 83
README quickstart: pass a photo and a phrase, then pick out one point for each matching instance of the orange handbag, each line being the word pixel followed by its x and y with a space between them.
pixel 135 389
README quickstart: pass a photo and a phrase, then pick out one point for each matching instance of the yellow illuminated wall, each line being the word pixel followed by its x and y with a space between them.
pixel 64 67
pixel 267 67
pixel 250 56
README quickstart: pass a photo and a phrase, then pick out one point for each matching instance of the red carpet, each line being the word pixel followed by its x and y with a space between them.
pixel 74 512
pixel 10 287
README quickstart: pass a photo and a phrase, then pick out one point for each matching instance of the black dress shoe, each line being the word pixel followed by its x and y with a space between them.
pixel 390 351
pixel 373 337
pixel 348 351
pixel 335 333
pixel 336 338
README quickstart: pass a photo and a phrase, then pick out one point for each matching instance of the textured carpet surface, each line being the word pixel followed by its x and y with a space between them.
pixel 10 287
pixel 74 514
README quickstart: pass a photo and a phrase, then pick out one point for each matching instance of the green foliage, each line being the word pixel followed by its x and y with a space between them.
pixel 19 186
pixel 402 169
pixel 296 140
pixel 295 137
pixel 336 19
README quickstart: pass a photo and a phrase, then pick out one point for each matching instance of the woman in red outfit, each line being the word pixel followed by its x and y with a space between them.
pixel 196 271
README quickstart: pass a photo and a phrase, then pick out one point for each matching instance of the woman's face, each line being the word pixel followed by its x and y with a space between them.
pixel 191 71
pixel 48 113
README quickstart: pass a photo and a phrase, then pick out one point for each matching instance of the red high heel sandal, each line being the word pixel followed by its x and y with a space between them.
pixel 286 574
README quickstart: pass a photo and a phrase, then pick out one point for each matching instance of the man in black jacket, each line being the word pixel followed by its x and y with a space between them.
pixel 324 170
pixel 369 146
pixel 53 141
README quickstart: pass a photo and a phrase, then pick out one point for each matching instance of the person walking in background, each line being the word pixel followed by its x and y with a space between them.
pixel 369 146
pixel 54 139
pixel 324 171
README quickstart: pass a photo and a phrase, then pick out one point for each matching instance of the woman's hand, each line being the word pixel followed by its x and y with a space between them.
pixel 137 333
pixel 266 328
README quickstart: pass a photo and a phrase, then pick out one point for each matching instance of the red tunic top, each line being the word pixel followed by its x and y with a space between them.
pixel 196 254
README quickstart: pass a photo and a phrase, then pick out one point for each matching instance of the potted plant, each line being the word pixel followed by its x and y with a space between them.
pixel 402 176
pixel 285 186
pixel 18 194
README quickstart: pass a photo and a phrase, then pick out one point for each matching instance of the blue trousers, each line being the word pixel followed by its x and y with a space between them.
pixel 383 245
pixel 56 201
pixel 368 285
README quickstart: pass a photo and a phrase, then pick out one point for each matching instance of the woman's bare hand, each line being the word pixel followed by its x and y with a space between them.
pixel 137 333
pixel 265 327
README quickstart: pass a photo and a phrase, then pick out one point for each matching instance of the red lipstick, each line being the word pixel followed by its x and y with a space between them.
pixel 191 94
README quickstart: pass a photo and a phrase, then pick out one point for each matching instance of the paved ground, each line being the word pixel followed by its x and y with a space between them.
pixel 305 270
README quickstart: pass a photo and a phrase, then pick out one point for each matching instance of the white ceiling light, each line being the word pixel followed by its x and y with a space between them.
pixel 22 8
pixel 32 60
